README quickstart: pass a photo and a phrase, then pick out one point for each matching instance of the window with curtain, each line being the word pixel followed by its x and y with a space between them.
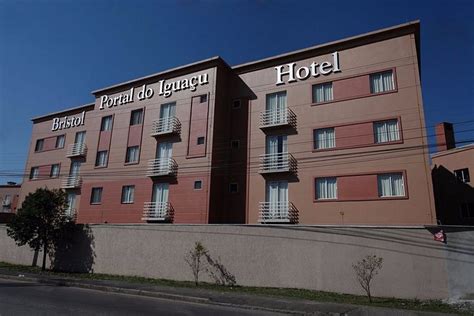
pixel 39 145
pixel 326 188
pixel 128 192
pixel 386 131
pixel 132 154
pixel 324 138
pixel 391 184
pixel 322 92
pixel 382 82
pixel 276 108
pixel 34 173
pixel 54 171
pixel 96 195
pixel 60 141
pixel 106 124
pixel 101 159
pixel 136 117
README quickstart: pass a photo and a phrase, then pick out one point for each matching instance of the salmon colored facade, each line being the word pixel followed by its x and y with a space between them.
pixel 333 134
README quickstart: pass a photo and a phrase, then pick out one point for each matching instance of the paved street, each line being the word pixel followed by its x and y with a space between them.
pixel 27 298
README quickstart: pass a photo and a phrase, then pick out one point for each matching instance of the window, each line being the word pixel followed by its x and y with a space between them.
pixel 80 137
pixel 462 175
pixel 101 159
pixel 467 210
pixel 322 92
pixel 39 145
pixel 136 117
pixel 381 82
pixel 132 154
pixel 96 195
pixel 324 138
pixel 34 173
pixel 128 191
pixel 203 98
pixel 236 104
pixel 106 124
pixel 234 188
pixel 386 131
pixel 234 144
pixel 198 185
pixel 391 184
pixel 200 140
pixel 7 200
pixel 54 171
pixel 326 188
pixel 60 141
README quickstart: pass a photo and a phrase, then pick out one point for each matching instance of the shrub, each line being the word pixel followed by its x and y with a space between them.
pixel 366 269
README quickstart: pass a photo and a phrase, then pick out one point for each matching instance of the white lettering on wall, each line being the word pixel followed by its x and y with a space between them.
pixel 68 122
pixel 303 73
pixel 165 89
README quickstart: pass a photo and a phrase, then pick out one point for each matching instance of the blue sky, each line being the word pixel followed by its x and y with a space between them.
pixel 54 53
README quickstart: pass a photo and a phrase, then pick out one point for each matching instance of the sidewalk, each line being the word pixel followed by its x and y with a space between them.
pixel 205 296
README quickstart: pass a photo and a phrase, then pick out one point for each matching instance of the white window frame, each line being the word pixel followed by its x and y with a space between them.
pixel 326 181
pixel 382 85
pixel 392 185
pixel 128 194
pixel 388 135
pixel 327 142
pixel 327 92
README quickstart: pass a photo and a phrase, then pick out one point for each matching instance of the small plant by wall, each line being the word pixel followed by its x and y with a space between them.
pixel 365 270
pixel 194 259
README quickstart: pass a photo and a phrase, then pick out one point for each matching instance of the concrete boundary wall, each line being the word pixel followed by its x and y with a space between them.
pixel 319 258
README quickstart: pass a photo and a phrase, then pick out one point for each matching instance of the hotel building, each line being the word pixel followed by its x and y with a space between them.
pixel 331 134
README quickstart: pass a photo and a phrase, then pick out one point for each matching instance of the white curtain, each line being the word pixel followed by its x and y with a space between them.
pixel 276 107
pixel 167 111
pixel 277 197
pixel 106 123
pixel 381 82
pixel 75 166
pixel 391 185
pixel 276 147
pixel 80 137
pixel 325 138
pixel 322 92
pixel 71 203
pixel 387 131
pixel 128 193
pixel 160 197
pixel 326 188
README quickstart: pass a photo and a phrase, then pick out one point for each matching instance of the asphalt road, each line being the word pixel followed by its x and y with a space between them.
pixel 27 298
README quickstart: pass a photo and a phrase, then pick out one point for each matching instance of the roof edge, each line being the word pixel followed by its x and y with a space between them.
pixel 250 66
pixel 164 72
pixel 84 106
pixel 453 150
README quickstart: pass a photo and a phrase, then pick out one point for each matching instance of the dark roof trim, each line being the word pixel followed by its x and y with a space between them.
pixel 85 107
pixel 181 70
pixel 375 36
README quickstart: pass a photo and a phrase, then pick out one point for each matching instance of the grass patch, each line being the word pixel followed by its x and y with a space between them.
pixel 320 296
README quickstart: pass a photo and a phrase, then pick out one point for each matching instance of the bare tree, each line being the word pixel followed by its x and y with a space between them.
pixel 366 269
pixel 194 258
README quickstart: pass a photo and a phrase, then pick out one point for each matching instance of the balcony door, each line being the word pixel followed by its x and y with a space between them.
pixel 167 112
pixel 71 202
pixel 74 170
pixel 160 198
pixel 276 149
pixel 276 108
pixel 277 198
pixel 80 137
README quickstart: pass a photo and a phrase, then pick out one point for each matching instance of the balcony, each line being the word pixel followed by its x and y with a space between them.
pixel 165 125
pixel 71 213
pixel 161 167
pixel 278 162
pixel 76 150
pixel 274 118
pixel 278 212
pixel 71 182
pixel 157 211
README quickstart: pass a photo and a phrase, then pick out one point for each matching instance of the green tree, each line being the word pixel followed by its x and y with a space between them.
pixel 40 221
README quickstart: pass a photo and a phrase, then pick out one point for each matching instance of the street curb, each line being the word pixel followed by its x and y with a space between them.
pixel 155 294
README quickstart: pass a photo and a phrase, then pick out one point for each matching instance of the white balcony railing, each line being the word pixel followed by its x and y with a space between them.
pixel 71 182
pixel 157 211
pixel 278 162
pixel 278 212
pixel 283 117
pixel 165 125
pixel 71 212
pixel 161 167
pixel 76 149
